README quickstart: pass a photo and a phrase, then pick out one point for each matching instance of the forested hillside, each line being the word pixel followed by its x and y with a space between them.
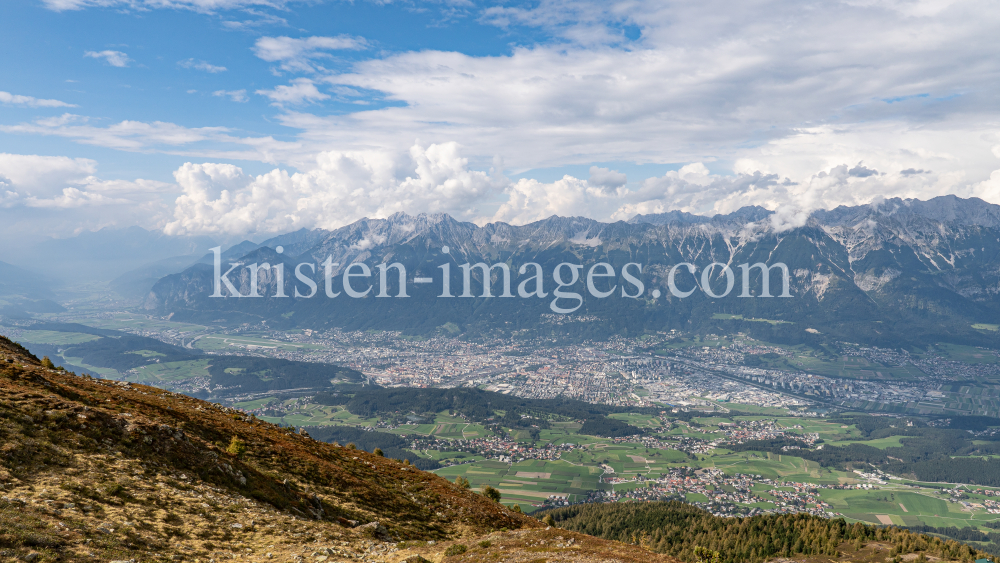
pixel 927 453
pixel 682 530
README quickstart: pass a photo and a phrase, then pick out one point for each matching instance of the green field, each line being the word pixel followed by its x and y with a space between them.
pixel 967 354
pixel 528 482
pixel 725 316
pixel 212 343
pixel 55 338
pixel 171 371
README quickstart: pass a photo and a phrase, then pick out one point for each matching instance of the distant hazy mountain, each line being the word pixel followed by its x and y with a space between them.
pixel 23 292
pixel 16 281
pixel 900 272
pixel 103 255
pixel 138 282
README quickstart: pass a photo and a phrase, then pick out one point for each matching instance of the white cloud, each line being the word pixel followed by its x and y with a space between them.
pixel 42 176
pixel 789 98
pixel 260 19
pixel 167 138
pixel 18 100
pixel 343 187
pixel 695 190
pixel 196 5
pixel 301 90
pixel 234 95
pixel 606 178
pixel 38 196
pixel 126 135
pixel 298 54
pixel 113 58
pixel 201 65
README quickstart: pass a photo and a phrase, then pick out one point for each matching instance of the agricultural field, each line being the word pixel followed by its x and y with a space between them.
pixel 132 322
pixel 528 483
pixel 55 338
pixel 222 342
pixel 156 374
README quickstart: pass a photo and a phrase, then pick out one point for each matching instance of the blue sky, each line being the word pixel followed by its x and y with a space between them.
pixel 250 117
pixel 46 59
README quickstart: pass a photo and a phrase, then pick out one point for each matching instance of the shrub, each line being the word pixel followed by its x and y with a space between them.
pixel 237 447
pixel 516 508
pixel 549 520
pixel 379 452
pixel 462 482
pixel 456 549
pixel 485 544
pixel 491 493
pixel 46 362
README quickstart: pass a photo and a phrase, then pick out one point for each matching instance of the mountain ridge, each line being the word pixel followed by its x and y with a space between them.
pixel 855 272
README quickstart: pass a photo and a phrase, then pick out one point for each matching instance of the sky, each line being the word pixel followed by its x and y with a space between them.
pixel 247 118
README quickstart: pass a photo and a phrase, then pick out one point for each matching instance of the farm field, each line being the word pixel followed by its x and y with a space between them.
pixel 56 338
pixel 528 483
pixel 153 374
pixel 221 342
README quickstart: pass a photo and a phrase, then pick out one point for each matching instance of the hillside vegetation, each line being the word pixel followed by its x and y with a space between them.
pixel 682 531
pixel 95 470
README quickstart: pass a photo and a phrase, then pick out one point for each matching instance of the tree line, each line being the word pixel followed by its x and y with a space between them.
pixel 683 531
pixel 392 446
pixel 925 453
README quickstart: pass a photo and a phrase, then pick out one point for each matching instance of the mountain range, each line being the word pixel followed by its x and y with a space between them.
pixel 899 272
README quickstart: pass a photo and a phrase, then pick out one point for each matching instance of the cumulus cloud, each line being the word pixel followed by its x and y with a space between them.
pixel 862 171
pixel 808 107
pixel 38 175
pixel 695 189
pixel 346 186
pixel 201 65
pixel 989 189
pixel 301 90
pixel 28 101
pixel 298 54
pixel 606 178
pixel 113 58
pixel 29 183
pixel 342 188
pixel 234 95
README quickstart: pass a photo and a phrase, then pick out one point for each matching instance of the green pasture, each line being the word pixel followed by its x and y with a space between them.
pixel 255 404
pixel 528 482
pixel 753 409
pixel 126 321
pixel 321 415
pixel 171 371
pixel 638 420
pixel 223 342
pixel 902 507
pixel 852 367
pixel 105 373
pixel 967 354
pixel 54 338
pixel 725 316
